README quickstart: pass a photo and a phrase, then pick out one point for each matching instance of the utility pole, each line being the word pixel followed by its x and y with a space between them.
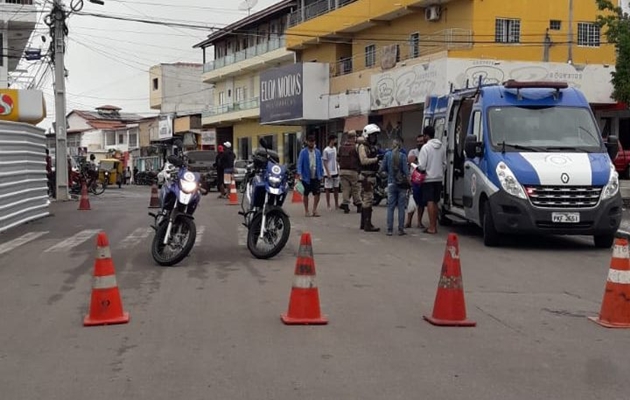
pixel 570 34
pixel 61 153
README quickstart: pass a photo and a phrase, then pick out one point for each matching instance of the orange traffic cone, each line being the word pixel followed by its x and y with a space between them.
pixel 105 306
pixel 233 194
pixel 84 203
pixel 450 308
pixel 304 302
pixel 297 197
pixel 155 199
pixel 615 311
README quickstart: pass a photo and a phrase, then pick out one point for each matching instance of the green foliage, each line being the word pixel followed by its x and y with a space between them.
pixel 617 25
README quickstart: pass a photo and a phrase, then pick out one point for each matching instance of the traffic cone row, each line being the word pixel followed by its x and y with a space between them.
pixel 615 310
pixel 84 203
pixel 154 202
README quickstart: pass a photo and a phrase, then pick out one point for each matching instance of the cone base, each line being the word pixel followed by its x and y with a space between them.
pixel 84 209
pixel 322 320
pixel 607 324
pixel 233 204
pixel 123 319
pixel 443 322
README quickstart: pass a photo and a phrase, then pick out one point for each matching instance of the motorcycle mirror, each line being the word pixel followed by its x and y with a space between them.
pixel 263 143
pixel 178 143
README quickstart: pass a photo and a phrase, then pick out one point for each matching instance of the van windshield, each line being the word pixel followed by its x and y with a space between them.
pixel 202 156
pixel 543 129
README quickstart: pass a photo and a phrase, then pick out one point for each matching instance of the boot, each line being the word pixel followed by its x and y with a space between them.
pixel 362 220
pixel 345 208
pixel 359 208
pixel 368 221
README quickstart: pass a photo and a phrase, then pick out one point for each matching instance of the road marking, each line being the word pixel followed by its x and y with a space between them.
pixel 73 241
pixel 200 232
pixel 17 242
pixel 136 237
pixel 242 235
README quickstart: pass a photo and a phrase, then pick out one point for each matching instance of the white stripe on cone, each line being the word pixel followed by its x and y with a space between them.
pixel 304 282
pixel 104 282
pixel 621 251
pixel 103 253
pixel 621 277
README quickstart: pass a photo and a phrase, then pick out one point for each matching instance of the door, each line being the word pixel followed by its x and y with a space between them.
pixel 473 172
pixel 462 123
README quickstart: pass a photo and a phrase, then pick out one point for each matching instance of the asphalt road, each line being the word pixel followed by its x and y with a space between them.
pixel 210 327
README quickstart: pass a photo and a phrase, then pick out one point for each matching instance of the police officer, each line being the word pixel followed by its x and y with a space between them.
pixel 369 158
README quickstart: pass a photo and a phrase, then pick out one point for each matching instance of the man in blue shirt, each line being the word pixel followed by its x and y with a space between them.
pixel 395 164
pixel 310 170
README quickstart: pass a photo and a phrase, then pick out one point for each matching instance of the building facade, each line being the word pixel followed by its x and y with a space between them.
pixel 391 55
pixel 240 52
pixel 17 21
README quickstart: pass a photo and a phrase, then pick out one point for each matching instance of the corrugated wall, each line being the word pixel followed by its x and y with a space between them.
pixel 23 183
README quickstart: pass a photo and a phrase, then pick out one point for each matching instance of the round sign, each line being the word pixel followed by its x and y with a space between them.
pixel 276 169
pixel 558 159
pixel 189 176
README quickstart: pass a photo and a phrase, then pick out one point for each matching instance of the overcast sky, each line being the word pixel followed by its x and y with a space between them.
pixel 108 60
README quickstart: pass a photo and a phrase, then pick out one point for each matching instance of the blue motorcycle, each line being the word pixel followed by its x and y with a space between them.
pixel 175 230
pixel 266 189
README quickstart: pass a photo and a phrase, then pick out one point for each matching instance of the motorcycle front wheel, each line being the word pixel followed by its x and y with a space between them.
pixel 275 238
pixel 183 235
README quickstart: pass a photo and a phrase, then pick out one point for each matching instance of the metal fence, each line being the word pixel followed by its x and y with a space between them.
pixel 23 182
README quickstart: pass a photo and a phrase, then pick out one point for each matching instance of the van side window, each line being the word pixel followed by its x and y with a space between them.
pixel 477 128
pixel 440 130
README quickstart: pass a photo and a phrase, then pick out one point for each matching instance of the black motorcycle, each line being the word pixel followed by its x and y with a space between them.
pixel 380 188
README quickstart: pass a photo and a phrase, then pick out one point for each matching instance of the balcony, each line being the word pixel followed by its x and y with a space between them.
pixel 346 18
pixel 246 109
pixel 19 18
pixel 315 10
pixel 251 59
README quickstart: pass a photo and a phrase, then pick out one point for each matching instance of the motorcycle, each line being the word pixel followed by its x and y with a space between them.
pixel 266 189
pixel 380 188
pixel 175 230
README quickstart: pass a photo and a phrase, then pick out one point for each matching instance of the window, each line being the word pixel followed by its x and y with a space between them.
pixel 588 34
pixel 244 148
pixel 507 30
pixel 133 139
pixel 110 138
pixel 370 56
pixel 122 138
pixel 478 126
pixel 221 98
pixel 414 45
pixel 555 25
pixel 155 83
pixel 239 94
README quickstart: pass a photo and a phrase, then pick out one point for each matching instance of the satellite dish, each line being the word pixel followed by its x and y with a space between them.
pixel 247 5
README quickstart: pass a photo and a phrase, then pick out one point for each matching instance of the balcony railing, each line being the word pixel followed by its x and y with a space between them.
pixel 447 39
pixel 249 104
pixel 250 52
pixel 313 10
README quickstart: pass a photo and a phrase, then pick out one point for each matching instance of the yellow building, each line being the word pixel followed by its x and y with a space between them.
pixel 240 51
pixel 393 54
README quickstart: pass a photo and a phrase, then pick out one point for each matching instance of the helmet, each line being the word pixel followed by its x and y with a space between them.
pixel 370 129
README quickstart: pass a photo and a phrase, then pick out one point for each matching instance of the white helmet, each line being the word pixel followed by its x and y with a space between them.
pixel 370 129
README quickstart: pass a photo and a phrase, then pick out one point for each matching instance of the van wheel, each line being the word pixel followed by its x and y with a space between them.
pixel 604 241
pixel 490 235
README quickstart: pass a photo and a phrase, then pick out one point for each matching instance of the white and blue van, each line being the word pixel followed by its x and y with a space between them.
pixel 526 157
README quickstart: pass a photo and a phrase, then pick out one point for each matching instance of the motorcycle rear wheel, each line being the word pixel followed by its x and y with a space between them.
pixel 157 247
pixel 275 217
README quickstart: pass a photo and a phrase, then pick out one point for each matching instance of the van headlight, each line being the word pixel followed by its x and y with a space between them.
pixel 509 183
pixel 612 187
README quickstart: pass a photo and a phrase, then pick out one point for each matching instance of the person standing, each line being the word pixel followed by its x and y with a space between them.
pixel 432 161
pixel 310 172
pixel 219 164
pixel 416 189
pixel 349 173
pixel 331 168
pixel 395 164
pixel 369 158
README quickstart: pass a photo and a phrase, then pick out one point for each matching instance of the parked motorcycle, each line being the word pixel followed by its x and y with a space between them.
pixel 175 230
pixel 266 189
pixel 380 188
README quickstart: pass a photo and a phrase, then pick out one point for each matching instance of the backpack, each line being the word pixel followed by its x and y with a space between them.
pixel 400 179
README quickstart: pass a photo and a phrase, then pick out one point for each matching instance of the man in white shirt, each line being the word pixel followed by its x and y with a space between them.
pixel 331 170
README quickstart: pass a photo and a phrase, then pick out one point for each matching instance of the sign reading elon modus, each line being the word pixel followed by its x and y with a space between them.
pixel 281 91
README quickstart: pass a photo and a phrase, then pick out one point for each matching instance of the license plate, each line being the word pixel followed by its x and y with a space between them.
pixel 565 218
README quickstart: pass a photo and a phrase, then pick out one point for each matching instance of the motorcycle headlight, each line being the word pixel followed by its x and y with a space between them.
pixel 275 181
pixel 188 186
pixel 509 182
pixel 612 187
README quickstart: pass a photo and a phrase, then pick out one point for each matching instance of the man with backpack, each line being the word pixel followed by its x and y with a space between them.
pixel 395 164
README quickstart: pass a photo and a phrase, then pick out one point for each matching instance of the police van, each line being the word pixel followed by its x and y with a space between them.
pixel 526 158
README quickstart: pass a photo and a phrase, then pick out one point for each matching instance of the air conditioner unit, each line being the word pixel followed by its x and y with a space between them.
pixel 432 13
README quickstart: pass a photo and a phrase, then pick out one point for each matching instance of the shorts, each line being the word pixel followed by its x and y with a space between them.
pixel 312 187
pixel 416 191
pixel 332 182
pixel 431 192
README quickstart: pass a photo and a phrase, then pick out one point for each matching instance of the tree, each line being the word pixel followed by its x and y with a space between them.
pixel 617 24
